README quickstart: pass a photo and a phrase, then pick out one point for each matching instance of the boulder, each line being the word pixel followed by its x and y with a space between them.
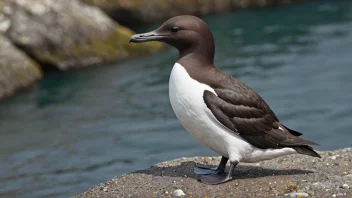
pixel 17 71
pixel 66 34
pixel 142 11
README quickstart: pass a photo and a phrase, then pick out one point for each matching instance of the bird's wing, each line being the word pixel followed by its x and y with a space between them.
pixel 244 112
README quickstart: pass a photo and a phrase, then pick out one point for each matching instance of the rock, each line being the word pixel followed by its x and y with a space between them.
pixel 345 186
pixel 298 194
pixel 321 185
pixel 178 193
pixel 67 34
pixel 136 11
pixel 17 71
pixel 293 177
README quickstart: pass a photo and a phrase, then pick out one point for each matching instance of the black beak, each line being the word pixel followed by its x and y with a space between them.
pixel 145 37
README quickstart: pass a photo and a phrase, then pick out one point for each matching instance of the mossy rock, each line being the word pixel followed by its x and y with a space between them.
pixel 114 47
pixel 17 71
pixel 67 34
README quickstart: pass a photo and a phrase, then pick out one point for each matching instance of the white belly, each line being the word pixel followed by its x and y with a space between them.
pixel 186 97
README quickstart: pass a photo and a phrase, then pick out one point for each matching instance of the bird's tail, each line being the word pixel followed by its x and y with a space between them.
pixel 306 150
pixel 303 147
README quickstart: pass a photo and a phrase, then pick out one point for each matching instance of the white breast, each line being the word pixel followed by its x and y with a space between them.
pixel 186 97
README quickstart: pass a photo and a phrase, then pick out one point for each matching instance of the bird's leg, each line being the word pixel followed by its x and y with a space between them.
pixel 219 178
pixel 205 170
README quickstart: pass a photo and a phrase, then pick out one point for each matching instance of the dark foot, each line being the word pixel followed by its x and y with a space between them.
pixel 219 178
pixel 206 170
pixel 215 179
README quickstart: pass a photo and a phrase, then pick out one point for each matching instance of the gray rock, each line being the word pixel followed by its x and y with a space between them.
pixel 298 194
pixel 17 71
pixel 178 193
pixel 270 179
pixel 66 34
pixel 57 33
pixel 345 186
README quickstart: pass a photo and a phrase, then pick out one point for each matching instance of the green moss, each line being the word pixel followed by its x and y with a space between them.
pixel 292 187
pixel 53 58
pixel 36 68
pixel 114 47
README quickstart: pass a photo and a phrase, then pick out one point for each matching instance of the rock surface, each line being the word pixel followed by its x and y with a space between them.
pixel 67 34
pixel 141 11
pixel 17 71
pixel 288 176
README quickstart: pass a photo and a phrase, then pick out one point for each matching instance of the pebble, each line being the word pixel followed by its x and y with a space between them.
pixel 334 195
pixel 166 192
pixel 178 193
pixel 345 186
pixel 105 189
pixel 298 194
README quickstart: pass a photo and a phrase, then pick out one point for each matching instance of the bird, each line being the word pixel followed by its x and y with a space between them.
pixel 218 110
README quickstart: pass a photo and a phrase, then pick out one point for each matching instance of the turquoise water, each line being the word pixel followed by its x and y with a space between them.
pixel 77 129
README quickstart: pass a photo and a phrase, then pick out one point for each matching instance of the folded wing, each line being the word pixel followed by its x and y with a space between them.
pixel 246 114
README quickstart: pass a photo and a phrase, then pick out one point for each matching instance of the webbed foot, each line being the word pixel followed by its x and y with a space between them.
pixel 218 178
pixel 215 179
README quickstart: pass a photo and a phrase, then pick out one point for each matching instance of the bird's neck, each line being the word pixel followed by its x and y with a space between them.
pixel 201 55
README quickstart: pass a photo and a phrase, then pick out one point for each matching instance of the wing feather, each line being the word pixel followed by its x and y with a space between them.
pixel 251 118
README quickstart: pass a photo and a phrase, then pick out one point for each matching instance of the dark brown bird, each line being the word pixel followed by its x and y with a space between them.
pixel 218 110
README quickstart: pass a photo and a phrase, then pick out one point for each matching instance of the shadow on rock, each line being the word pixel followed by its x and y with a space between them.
pixel 241 171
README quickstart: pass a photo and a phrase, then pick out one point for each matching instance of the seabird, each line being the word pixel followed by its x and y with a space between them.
pixel 218 110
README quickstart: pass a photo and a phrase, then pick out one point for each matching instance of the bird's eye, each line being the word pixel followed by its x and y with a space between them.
pixel 174 29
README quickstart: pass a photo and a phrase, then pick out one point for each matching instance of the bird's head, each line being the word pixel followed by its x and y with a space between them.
pixel 188 34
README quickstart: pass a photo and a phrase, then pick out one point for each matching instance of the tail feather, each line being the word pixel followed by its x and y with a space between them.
pixel 305 142
pixel 293 132
pixel 306 150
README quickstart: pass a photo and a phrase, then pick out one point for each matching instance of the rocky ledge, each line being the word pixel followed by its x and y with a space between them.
pixel 288 176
